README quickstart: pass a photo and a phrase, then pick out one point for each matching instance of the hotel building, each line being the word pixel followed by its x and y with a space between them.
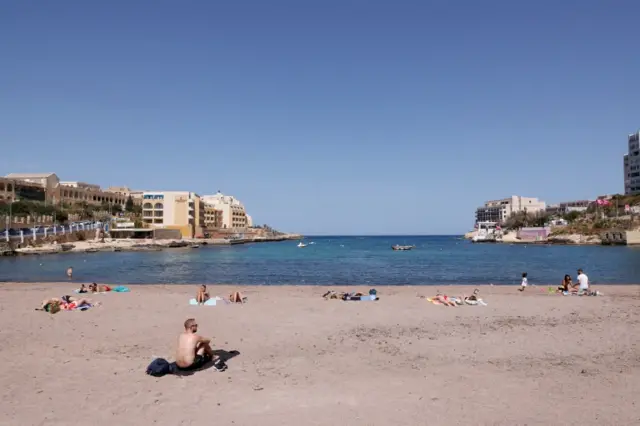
pixel 135 195
pixel 632 165
pixel 181 210
pixel 233 213
pixel 212 217
pixel 53 191
pixel 500 210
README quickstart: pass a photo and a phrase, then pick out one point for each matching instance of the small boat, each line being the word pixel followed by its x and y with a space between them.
pixel 301 244
pixel 402 248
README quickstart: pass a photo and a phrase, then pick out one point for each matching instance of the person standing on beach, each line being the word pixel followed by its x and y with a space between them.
pixel 524 282
pixel 70 272
pixel 194 351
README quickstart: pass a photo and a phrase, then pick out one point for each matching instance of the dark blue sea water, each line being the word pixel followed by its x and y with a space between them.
pixel 338 260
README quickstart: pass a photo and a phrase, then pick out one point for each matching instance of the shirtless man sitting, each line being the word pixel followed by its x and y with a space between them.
pixel 194 351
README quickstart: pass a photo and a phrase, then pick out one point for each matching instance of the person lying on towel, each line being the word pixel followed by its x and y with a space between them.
pixel 95 288
pixel 68 303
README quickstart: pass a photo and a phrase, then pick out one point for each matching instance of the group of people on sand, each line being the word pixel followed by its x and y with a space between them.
pixel 581 287
pixel 203 295
pixel 472 300
pixel 67 303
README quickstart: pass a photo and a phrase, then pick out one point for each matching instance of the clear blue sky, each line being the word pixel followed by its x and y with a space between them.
pixel 327 116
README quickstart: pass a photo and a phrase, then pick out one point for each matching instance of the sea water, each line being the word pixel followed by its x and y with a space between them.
pixel 338 260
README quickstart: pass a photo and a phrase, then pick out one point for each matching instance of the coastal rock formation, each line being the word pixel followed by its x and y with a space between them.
pixel 574 239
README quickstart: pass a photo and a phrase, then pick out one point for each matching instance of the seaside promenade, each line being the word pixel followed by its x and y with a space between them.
pixel 296 359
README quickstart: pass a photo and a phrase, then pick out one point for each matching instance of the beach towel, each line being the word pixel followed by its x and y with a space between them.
pixel 121 289
pixel 368 297
pixel 478 302
pixel 210 302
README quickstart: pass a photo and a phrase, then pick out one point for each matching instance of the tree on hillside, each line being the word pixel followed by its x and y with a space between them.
pixel 572 216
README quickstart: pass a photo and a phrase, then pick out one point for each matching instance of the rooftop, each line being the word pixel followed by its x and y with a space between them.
pixel 29 175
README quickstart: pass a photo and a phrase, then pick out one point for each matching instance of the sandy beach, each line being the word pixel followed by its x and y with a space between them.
pixel 525 359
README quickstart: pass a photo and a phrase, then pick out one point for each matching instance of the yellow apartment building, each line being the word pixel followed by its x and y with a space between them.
pixel 181 210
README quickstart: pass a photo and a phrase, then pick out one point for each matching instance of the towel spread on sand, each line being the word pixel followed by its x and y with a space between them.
pixel 121 289
pixel 210 302
pixel 368 297
pixel 457 301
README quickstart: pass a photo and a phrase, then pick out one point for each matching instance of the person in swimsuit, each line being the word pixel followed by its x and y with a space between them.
pixel 443 299
pixel 66 302
pixel 202 295
pixel 194 351
pixel 70 272
pixel 565 285
pixel 95 288
pixel 473 297
pixel 237 297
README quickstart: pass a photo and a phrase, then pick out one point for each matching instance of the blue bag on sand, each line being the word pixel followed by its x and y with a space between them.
pixel 160 367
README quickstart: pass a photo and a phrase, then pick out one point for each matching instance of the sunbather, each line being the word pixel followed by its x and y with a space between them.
pixel 95 288
pixel 473 297
pixel 66 302
pixel 237 297
pixel 443 299
pixel 202 295
pixel 194 351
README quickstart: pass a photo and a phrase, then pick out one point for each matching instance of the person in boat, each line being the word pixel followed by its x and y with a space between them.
pixel 202 295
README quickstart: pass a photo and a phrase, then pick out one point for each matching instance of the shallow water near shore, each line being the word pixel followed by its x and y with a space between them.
pixel 338 260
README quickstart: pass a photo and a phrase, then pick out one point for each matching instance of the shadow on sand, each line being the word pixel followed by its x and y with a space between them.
pixel 220 354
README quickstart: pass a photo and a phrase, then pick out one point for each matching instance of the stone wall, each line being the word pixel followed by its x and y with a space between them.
pixel 633 237
pixel 68 237
pixel 167 234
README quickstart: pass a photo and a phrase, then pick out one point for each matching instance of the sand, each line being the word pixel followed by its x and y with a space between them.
pixel 526 359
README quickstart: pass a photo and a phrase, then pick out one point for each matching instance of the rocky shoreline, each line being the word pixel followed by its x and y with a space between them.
pixel 564 239
pixel 114 245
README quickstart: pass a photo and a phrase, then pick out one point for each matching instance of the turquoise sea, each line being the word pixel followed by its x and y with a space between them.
pixel 338 260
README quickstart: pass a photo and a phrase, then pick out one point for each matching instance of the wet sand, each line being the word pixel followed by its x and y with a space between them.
pixel 529 358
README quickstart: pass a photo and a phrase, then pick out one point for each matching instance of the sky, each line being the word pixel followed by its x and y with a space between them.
pixel 325 116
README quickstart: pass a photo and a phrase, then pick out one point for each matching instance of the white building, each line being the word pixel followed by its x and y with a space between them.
pixel 632 166
pixel 500 210
pixel 233 212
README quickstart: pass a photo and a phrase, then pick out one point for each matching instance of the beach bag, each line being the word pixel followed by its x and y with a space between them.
pixel 159 367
